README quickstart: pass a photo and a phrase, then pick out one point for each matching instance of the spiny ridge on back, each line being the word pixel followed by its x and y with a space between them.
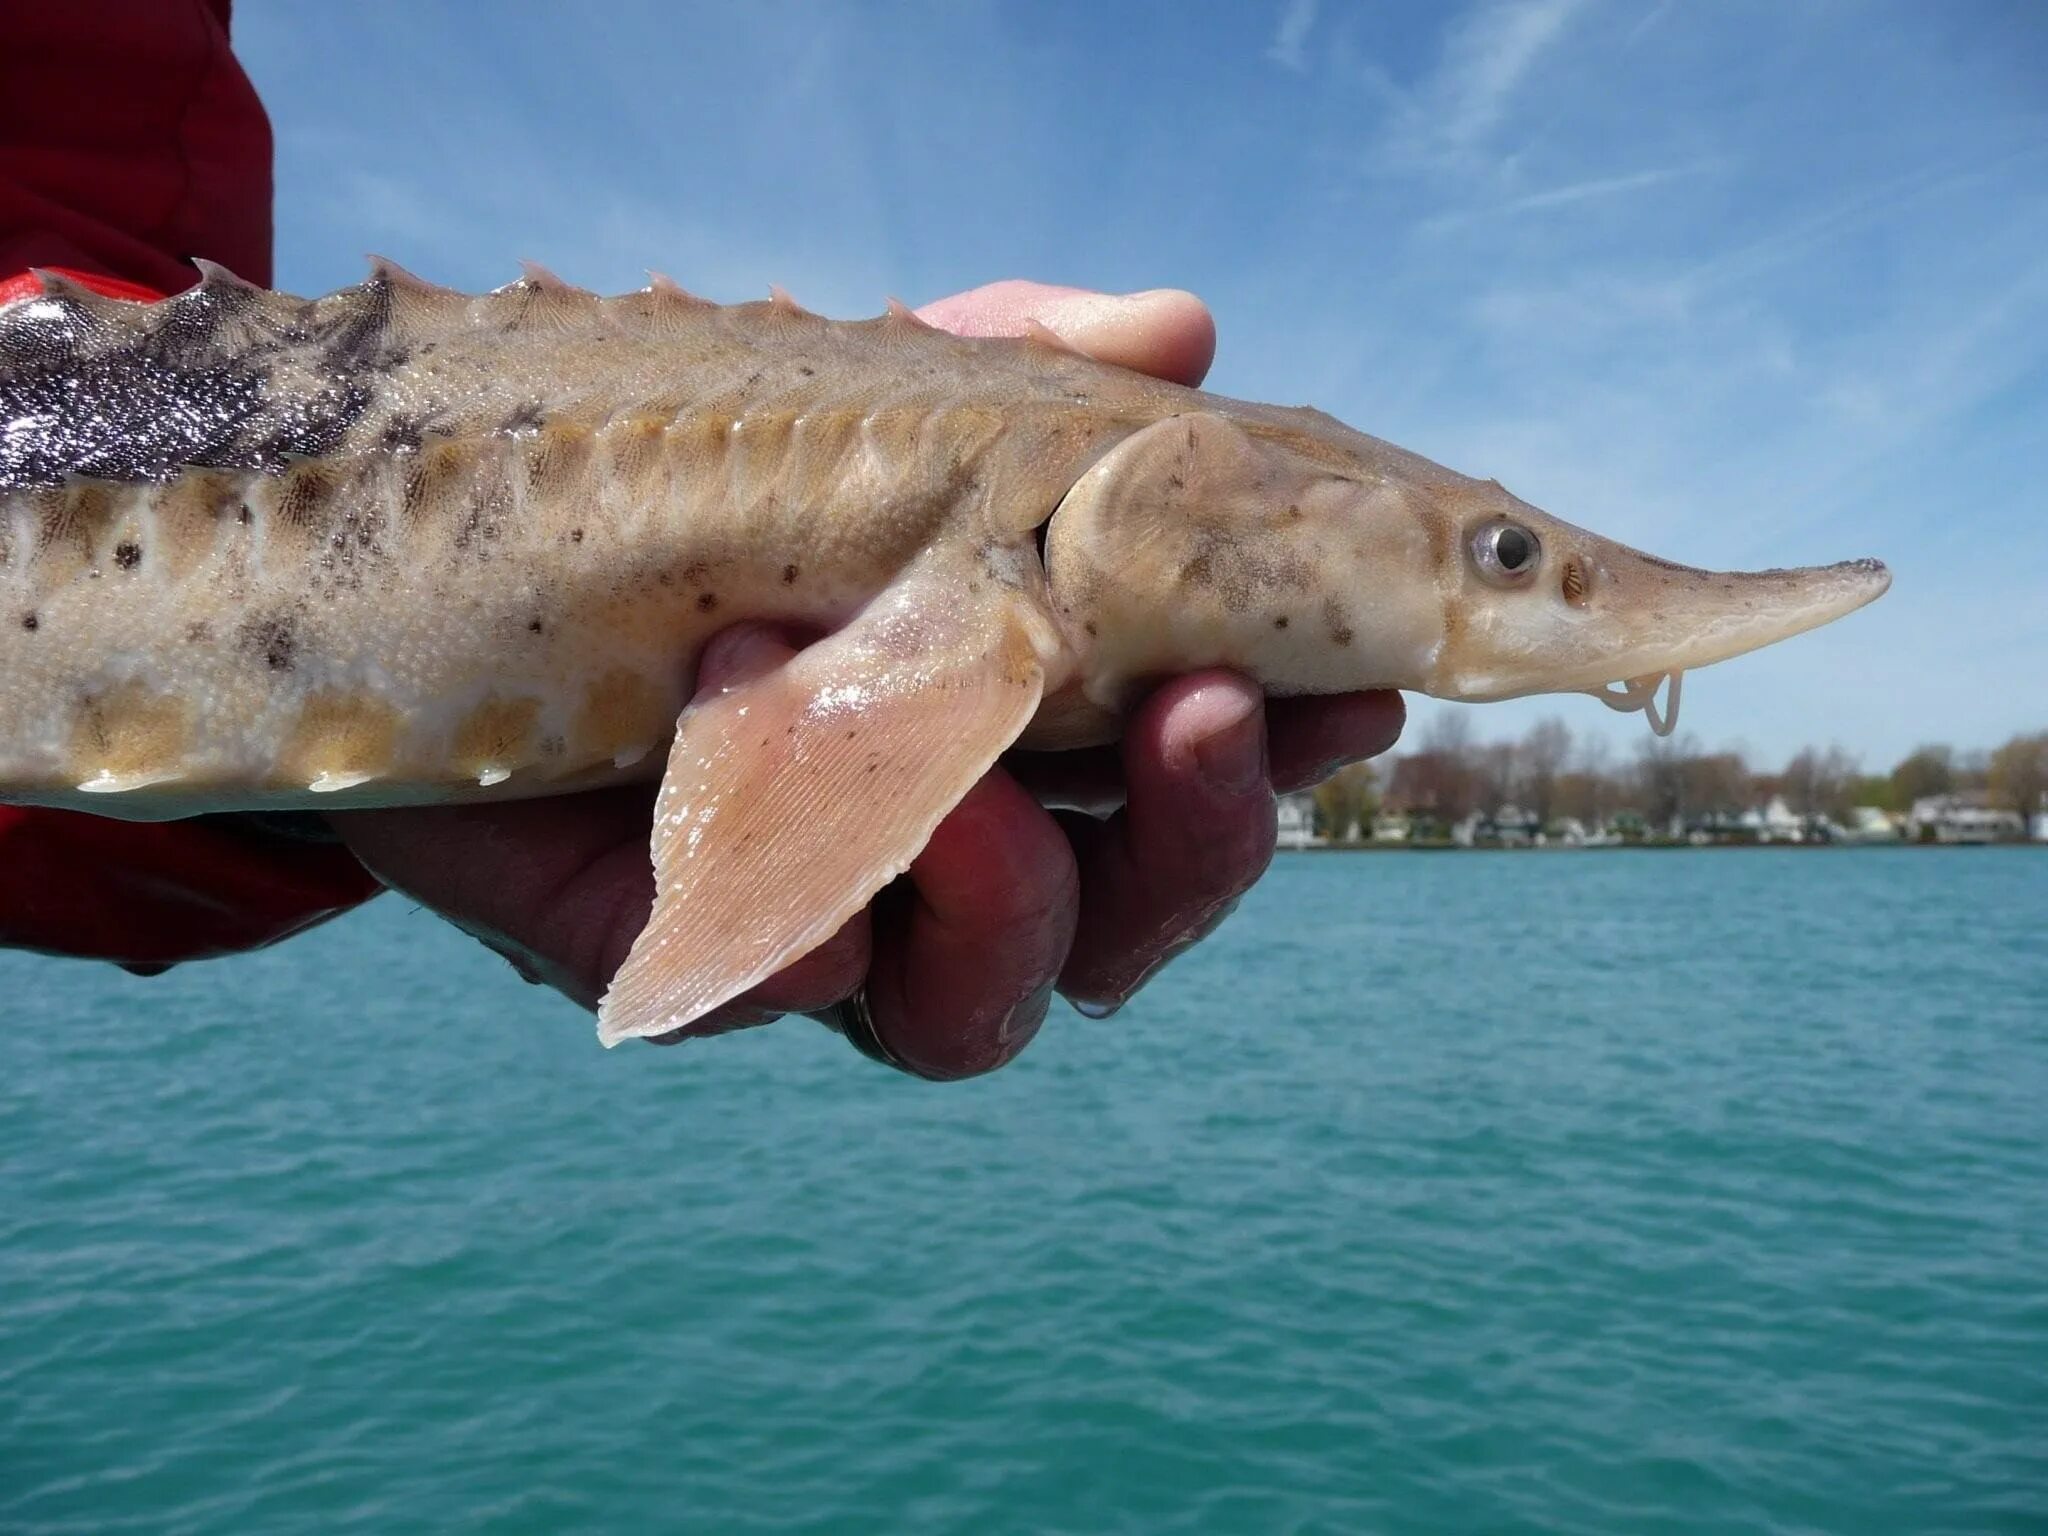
pixel 227 375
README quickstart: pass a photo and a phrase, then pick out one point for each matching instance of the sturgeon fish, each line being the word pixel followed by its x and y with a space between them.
pixel 401 545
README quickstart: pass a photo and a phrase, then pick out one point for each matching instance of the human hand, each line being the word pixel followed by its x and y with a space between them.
pixel 1150 845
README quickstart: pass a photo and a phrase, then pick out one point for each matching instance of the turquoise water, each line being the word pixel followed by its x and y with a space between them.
pixel 1691 1192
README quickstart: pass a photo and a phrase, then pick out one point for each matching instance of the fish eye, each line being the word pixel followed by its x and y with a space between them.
pixel 1507 554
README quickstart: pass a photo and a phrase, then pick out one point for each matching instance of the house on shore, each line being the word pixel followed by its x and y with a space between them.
pixel 1298 821
pixel 1774 822
pixel 1966 817
pixel 1870 824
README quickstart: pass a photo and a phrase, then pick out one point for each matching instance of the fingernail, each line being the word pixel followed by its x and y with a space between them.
pixel 1232 755
pixel 1090 1009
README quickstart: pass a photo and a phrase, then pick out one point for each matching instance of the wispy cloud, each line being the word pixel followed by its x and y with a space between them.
pixel 1591 189
pixel 1875 204
pixel 1449 115
pixel 1290 40
pixel 1641 27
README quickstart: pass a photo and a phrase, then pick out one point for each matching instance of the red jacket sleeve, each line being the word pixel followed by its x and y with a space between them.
pixel 131 141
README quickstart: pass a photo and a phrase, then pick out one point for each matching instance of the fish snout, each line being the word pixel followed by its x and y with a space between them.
pixel 1573 612
pixel 1670 618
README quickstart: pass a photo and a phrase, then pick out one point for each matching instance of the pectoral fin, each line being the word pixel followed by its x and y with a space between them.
pixel 791 799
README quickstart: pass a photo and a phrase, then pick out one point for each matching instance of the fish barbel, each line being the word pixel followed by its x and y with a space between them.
pixel 402 545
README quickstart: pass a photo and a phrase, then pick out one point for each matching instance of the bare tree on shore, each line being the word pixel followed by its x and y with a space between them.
pixel 1347 801
pixel 2018 774
pixel 1439 778
pixel 1717 784
pixel 1498 774
pixel 1545 751
pixel 1660 771
pixel 1817 783
pixel 1588 791
pixel 1926 770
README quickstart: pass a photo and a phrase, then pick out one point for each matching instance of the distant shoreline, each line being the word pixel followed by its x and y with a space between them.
pixel 1643 845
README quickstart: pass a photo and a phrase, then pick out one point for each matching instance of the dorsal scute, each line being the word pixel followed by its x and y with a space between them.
pixel 414 309
pixel 538 301
pixel 538 276
pixel 65 321
pixel 70 291
pixel 898 313
pixel 897 319
pixel 664 308
pixel 669 291
pixel 219 278
pixel 1043 338
pixel 778 309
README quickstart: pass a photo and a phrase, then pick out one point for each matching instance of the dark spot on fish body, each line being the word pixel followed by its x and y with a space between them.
pixel 127 554
pixel 575 535
pixel 199 632
pixel 189 322
pixel 31 623
pixel 789 574
pixel 1089 627
pixel 1280 622
pixel 526 417
pixel 352 341
pixel 311 428
pixel 1337 622
pixel 535 627
pixel 275 639
pixel 707 601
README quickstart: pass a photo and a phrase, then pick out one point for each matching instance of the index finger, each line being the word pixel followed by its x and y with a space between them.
pixel 966 950
pixel 1165 332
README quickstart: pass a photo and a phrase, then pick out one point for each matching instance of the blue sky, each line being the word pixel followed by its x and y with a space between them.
pixel 1744 284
